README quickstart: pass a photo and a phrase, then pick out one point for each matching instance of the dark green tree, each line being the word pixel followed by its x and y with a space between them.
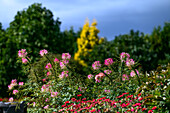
pixel 68 42
pixel 35 29
pixel 160 43
pixel 32 29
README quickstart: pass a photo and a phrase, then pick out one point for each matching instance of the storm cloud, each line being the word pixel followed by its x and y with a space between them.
pixel 114 17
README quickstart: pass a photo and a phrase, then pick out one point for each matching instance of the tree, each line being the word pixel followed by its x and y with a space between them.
pixel 32 29
pixel 88 39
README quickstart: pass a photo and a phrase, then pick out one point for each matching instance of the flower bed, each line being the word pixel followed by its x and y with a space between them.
pixel 117 85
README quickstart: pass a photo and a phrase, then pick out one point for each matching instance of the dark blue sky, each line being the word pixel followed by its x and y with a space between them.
pixel 114 17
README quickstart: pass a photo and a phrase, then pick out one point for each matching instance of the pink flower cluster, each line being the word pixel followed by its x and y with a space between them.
pixel 125 77
pixel 11 99
pixel 108 61
pixel 54 94
pixel 43 52
pixel 125 57
pixel 90 76
pixel 45 88
pixel 65 60
pixel 132 74
pixel 22 53
pixel 48 66
pixel 63 74
pixel 96 65
pixel 108 71
pixel 130 62
pixel 99 77
pixel 13 83
pixel 56 60
pixel 66 56
pixel 15 91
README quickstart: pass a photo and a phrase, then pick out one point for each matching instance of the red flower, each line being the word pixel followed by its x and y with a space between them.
pixel 79 95
pixel 154 108
pixel 63 105
pixel 140 99
pixel 1 99
pixel 84 99
pixel 143 109
pixel 139 94
pixel 93 110
pixel 150 111
pixel 73 99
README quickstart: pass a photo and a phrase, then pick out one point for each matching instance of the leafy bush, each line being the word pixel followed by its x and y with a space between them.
pixel 115 85
pixel 32 28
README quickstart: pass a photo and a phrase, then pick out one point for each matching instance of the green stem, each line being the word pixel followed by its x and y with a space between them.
pixel 120 71
pixel 54 71
pixel 33 70
pixel 137 76
pixel 107 75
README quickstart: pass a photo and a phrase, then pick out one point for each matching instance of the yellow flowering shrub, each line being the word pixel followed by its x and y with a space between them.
pixel 87 40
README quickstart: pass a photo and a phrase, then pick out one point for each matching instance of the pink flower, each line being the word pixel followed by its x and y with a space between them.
pixel 11 99
pixel 90 76
pixel 62 65
pixel 24 60
pixel 132 74
pixel 96 65
pixel 34 104
pixel 48 73
pixel 56 60
pixel 46 99
pixel 44 79
pixel 46 107
pixel 14 81
pixel 48 66
pixel 132 109
pixel 22 53
pixel 66 56
pixel 15 91
pixel 63 74
pixel 10 87
pixel 45 88
pixel 99 77
pixel 43 52
pixel 54 94
pixel 124 56
pixel 107 91
pixel 21 83
pixel 130 62
pixel 108 61
pixel 125 77
pixel 108 71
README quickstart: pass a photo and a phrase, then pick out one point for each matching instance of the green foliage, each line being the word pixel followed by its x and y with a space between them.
pixel 146 49
pixel 160 43
pixel 32 29
pixel 67 42
pixel 156 88
pixel 151 91
pixel 137 45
